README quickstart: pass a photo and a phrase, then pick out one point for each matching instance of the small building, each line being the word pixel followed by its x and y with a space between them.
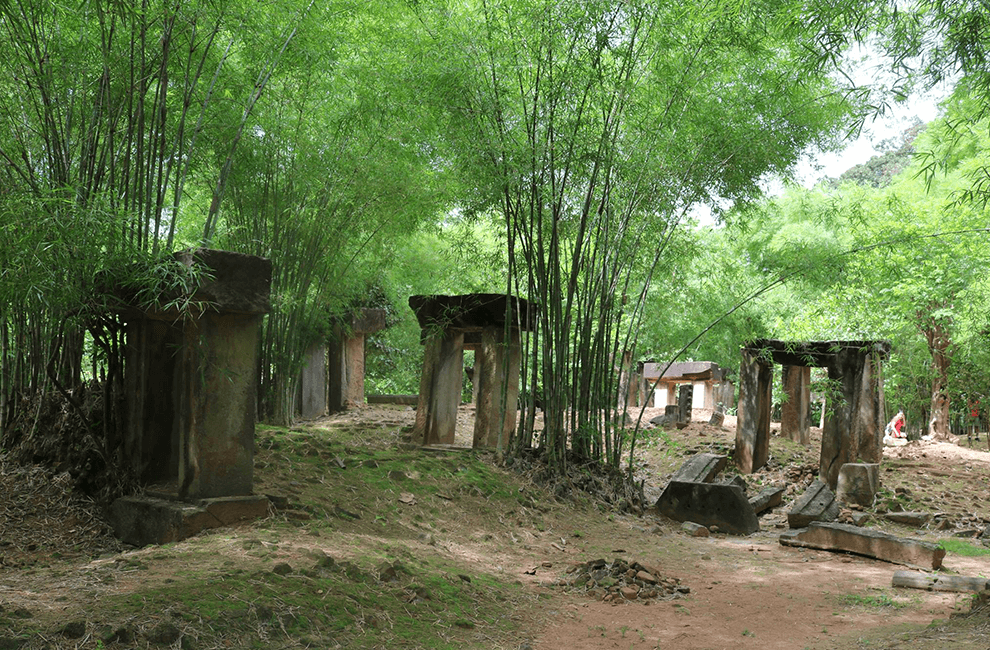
pixel 710 383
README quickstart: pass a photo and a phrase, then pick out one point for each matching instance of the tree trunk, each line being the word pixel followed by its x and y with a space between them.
pixel 939 341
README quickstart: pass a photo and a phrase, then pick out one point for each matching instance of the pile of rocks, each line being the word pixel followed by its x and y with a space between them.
pixel 621 581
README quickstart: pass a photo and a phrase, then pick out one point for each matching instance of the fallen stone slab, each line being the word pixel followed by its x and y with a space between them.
pixel 828 536
pixel 916 519
pixel 938 582
pixel 816 504
pixel 701 468
pixel 767 498
pixel 709 504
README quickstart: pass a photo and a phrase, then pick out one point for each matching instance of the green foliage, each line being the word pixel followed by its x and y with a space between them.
pixel 591 129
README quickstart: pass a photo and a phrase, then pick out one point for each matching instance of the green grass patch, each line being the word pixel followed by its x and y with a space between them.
pixel 422 605
pixel 877 601
pixel 963 547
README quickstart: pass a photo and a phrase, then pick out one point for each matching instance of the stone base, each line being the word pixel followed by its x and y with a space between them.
pixel 141 521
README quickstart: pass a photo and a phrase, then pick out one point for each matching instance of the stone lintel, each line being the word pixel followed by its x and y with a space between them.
pixel 816 354
pixel 939 582
pixel 831 536
pixel 367 321
pixel 233 282
pixel 473 311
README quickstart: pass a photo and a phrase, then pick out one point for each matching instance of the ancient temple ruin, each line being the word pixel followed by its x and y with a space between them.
pixel 490 324
pixel 190 382
pixel 332 378
pixel 854 422
pixel 709 382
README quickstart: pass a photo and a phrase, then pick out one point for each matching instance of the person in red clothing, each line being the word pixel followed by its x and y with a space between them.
pixel 895 428
pixel 974 424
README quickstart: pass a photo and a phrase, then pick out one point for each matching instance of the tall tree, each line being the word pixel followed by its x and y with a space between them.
pixel 592 127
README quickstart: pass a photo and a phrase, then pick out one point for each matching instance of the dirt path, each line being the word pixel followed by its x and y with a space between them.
pixel 753 592
pixel 744 592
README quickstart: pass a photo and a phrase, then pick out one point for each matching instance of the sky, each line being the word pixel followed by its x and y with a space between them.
pixel 864 67
pixel 817 165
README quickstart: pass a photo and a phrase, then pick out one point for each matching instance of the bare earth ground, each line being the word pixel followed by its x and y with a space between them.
pixel 745 592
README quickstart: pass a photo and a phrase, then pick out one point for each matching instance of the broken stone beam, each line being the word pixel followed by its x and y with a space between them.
pixel 709 504
pixel 939 582
pixel 816 504
pixel 701 468
pixel 828 536
pixel 770 497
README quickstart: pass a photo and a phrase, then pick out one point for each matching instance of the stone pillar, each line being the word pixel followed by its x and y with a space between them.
pixel 151 446
pixel 439 389
pixel 625 381
pixel 216 410
pixel 311 400
pixel 346 358
pixel 794 410
pixel 498 387
pixel 685 399
pixel 753 417
pixel 191 381
pixel 853 429
pixel 726 394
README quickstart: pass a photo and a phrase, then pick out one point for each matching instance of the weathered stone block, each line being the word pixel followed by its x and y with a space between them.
pixel 858 483
pixel 816 504
pixel 767 498
pixel 694 530
pixel 916 519
pixel 829 536
pixel 709 504
pixel 701 468
pixel 145 520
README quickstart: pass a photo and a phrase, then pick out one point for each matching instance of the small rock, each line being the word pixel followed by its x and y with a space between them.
pixel 645 577
pixel 164 634
pixel 282 569
pixel 694 530
pixel 74 630
pixel 123 635
pixel 860 518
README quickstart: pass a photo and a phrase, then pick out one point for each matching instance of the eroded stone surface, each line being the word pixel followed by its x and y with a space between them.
pixel 829 536
pixel 816 504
